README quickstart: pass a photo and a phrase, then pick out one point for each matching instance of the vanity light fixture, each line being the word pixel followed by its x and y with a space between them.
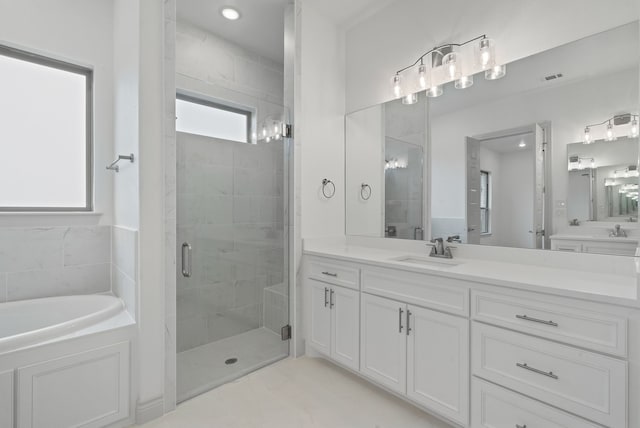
pixel 410 99
pixel 577 163
pixel 451 63
pixel 230 13
pixel 612 123
pixel 270 130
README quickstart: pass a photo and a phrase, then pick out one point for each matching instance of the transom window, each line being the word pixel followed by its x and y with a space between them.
pixel 209 119
pixel 45 133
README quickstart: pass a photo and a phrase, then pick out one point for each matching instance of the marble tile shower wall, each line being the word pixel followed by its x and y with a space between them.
pixel 230 209
pixel 54 261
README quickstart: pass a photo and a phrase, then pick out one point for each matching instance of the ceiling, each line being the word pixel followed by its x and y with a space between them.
pixel 347 13
pixel 260 28
pixel 593 56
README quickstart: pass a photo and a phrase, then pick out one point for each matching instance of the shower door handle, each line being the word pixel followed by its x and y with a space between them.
pixel 186 260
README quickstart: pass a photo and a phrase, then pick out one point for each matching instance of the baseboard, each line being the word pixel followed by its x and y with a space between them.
pixel 149 410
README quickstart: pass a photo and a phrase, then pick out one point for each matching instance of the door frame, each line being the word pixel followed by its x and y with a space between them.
pixel 547 214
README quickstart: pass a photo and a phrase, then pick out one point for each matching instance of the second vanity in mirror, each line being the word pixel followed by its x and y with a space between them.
pixel 504 162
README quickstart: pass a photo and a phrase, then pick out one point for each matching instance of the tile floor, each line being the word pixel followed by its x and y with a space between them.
pixel 203 368
pixel 297 393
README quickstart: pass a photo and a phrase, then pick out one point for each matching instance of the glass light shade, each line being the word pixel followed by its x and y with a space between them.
pixel 423 76
pixel 496 72
pixel 610 135
pixel 486 53
pixel 634 129
pixel 397 88
pixel 451 66
pixel 410 99
pixel 588 138
pixel 435 91
pixel 464 82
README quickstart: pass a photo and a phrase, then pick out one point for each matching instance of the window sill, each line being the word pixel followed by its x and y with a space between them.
pixel 49 219
pixel 486 234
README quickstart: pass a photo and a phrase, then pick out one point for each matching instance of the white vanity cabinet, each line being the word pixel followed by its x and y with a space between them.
pixel 579 244
pixel 335 322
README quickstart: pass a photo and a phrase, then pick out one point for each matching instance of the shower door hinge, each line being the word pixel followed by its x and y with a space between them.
pixel 285 332
pixel 287 130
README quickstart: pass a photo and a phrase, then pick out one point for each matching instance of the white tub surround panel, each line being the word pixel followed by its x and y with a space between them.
pixel 54 261
pixel 559 345
pixel 125 266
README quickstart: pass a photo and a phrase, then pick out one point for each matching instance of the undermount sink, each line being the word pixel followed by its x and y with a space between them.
pixel 428 261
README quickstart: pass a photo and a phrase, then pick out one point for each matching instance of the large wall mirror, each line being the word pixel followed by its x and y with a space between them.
pixel 544 158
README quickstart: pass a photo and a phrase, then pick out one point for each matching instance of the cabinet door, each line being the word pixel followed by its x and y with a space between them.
pixel 320 317
pixel 6 399
pixel 345 323
pixel 383 342
pixel 438 362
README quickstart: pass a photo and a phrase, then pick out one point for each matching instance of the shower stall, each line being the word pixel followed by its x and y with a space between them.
pixel 232 283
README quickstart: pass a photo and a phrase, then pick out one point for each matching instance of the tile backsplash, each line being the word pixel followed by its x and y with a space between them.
pixel 40 262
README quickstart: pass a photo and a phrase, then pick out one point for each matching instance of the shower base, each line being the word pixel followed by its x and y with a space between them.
pixel 208 366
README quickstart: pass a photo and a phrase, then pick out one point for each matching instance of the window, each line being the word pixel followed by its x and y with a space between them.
pixel 45 134
pixel 485 202
pixel 196 116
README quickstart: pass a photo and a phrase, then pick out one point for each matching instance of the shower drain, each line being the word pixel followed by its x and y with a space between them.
pixel 231 361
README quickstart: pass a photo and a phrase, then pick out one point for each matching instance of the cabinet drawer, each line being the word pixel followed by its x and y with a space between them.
pixel 496 407
pixel 587 384
pixel 444 294
pixel 566 246
pixel 334 273
pixel 532 314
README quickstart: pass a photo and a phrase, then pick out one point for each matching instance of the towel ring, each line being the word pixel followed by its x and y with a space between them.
pixel 364 191
pixel 325 183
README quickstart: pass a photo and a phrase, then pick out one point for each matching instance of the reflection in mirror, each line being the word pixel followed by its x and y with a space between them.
pixel 603 181
pixel 385 152
pixel 496 158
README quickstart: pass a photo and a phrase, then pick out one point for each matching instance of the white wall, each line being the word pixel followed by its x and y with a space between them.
pixel 80 32
pixel 398 34
pixel 319 128
pixel 568 107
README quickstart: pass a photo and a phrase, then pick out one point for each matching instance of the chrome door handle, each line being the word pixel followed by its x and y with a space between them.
pixel 335 275
pixel 332 302
pixel 400 327
pixel 539 321
pixel 186 260
pixel 540 372
pixel 326 299
pixel 408 322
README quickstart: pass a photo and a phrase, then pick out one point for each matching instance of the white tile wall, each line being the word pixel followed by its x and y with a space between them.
pixel 124 266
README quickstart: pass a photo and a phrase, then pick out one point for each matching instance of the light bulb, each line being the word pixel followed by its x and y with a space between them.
pixel 396 164
pixel 464 82
pixel 435 91
pixel 410 99
pixel 588 138
pixel 610 136
pixel 422 73
pixel 496 72
pixel 268 139
pixel 593 164
pixel 485 53
pixel 634 128
pixel 451 65
pixel 275 129
pixel 264 132
pixel 397 89
pixel 230 13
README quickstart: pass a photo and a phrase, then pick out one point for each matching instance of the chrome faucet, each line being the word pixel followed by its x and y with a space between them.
pixel 438 249
pixel 618 232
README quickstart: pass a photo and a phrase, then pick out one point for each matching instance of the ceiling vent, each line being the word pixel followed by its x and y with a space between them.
pixel 552 77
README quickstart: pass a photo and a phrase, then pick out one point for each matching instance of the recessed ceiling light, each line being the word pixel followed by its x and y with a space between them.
pixel 522 144
pixel 230 13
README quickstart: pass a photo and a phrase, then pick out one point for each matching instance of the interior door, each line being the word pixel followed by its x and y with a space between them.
pixel 320 316
pixel 437 362
pixel 538 227
pixel 474 227
pixel 345 327
pixel 383 342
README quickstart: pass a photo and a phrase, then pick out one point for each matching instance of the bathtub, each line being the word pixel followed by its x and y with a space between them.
pixel 28 322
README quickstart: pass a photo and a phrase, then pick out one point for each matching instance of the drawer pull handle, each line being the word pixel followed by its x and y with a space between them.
pixel 335 275
pixel 520 426
pixel 400 312
pixel 332 302
pixel 531 369
pixel 539 321
pixel 326 300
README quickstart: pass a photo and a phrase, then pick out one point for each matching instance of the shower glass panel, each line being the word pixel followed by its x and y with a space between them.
pixel 232 288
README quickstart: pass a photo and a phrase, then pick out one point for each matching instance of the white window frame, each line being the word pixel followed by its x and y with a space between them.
pixel 88 74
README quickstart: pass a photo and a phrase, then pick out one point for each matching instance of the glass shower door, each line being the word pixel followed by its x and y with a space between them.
pixel 232 285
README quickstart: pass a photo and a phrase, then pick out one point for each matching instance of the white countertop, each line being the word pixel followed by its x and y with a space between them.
pixel 597 238
pixel 599 287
